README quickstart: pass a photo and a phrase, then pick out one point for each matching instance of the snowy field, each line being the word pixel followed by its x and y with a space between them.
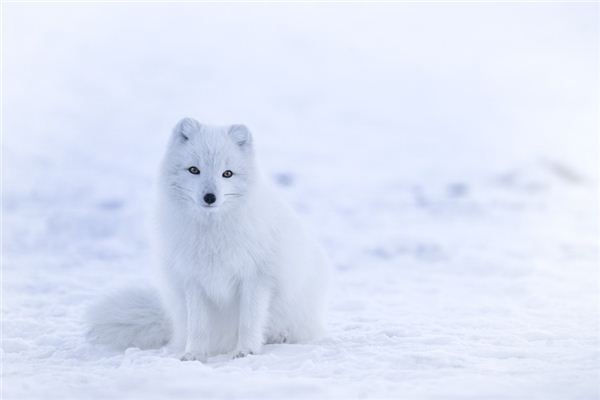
pixel 445 154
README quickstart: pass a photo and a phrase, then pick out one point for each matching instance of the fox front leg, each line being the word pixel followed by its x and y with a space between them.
pixel 254 305
pixel 196 347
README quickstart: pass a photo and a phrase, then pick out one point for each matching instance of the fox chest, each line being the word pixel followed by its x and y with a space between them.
pixel 219 265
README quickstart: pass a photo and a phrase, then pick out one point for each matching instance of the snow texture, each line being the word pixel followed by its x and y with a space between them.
pixel 445 154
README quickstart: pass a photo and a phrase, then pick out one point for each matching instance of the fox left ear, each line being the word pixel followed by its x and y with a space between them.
pixel 241 135
pixel 186 127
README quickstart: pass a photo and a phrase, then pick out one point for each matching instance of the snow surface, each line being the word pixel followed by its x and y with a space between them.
pixel 445 154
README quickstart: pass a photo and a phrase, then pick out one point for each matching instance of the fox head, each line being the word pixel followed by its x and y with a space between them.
pixel 208 168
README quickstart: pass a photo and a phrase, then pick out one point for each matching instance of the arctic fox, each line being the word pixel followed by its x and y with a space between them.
pixel 237 269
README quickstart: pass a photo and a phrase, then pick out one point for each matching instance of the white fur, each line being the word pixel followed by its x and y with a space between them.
pixel 131 317
pixel 235 275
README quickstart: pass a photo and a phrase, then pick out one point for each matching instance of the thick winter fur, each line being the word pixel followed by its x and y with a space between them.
pixel 236 273
pixel 130 318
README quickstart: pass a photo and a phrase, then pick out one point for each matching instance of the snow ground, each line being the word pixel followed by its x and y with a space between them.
pixel 446 155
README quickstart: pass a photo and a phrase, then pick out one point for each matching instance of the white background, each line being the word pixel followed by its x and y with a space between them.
pixel 446 154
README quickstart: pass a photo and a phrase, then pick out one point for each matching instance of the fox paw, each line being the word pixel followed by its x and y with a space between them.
pixel 193 356
pixel 277 339
pixel 242 353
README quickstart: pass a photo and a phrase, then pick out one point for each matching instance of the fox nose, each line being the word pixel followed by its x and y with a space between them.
pixel 210 198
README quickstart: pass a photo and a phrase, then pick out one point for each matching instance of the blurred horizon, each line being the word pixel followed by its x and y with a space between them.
pixel 495 83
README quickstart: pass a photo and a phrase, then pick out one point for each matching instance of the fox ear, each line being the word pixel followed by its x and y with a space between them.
pixel 185 128
pixel 241 135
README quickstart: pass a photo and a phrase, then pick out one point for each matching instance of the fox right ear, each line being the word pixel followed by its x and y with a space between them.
pixel 241 135
pixel 185 128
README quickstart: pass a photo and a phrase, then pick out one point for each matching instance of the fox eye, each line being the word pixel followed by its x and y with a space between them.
pixel 227 174
pixel 194 170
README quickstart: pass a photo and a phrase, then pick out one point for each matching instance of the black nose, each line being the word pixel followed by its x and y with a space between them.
pixel 210 198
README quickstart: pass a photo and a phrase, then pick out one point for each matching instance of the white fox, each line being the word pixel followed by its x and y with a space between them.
pixel 237 269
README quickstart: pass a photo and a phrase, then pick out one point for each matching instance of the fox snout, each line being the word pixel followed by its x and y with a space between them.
pixel 209 198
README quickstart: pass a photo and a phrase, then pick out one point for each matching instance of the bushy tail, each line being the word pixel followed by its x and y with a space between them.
pixel 130 318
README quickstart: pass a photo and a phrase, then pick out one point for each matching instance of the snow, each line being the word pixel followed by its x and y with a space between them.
pixel 445 154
